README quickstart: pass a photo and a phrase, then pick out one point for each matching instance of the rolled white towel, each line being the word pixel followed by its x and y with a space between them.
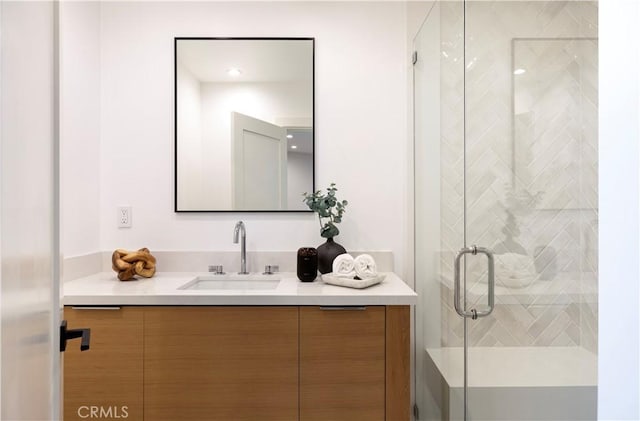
pixel 365 267
pixel 514 270
pixel 343 266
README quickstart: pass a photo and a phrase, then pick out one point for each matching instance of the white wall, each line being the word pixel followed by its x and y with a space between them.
pixel 360 122
pixel 80 127
pixel 618 321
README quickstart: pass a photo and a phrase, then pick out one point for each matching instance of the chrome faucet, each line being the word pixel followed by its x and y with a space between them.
pixel 243 246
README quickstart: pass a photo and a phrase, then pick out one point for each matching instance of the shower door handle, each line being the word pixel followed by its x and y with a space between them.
pixel 473 313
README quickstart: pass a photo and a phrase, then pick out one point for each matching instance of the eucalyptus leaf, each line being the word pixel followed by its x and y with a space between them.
pixel 328 207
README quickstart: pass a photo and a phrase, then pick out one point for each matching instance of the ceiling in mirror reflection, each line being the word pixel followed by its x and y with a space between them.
pixel 244 141
pixel 268 61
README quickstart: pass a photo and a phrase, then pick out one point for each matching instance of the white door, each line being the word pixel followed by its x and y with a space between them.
pixel 259 164
pixel 29 286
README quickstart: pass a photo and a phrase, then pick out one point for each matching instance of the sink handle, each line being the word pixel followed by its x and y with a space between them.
pixel 216 269
pixel 271 269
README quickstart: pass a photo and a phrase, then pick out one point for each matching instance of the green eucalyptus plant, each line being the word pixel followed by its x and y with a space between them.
pixel 328 207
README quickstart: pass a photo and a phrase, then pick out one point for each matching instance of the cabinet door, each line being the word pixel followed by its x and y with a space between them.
pixel 342 363
pixel 105 381
pixel 221 363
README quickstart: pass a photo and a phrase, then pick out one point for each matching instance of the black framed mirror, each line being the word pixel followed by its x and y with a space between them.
pixel 244 124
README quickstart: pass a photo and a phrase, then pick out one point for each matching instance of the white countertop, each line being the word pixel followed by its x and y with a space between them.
pixel 163 289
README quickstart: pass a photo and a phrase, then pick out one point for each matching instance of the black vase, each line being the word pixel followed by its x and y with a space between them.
pixel 327 252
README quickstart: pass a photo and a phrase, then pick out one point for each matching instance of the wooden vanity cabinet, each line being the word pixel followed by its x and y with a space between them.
pixel 106 379
pixel 221 363
pixel 241 363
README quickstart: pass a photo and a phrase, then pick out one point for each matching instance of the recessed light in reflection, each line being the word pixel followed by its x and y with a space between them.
pixel 289 136
pixel 294 147
pixel 234 72
pixel 519 71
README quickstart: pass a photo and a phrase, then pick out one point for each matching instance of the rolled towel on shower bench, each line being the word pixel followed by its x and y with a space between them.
pixel 365 267
pixel 344 266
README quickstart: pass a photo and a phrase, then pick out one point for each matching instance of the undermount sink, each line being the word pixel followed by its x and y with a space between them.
pixel 230 282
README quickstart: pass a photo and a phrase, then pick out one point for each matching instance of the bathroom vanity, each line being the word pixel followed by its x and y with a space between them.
pixel 164 349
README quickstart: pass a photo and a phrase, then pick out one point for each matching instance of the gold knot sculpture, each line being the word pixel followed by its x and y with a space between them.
pixel 131 263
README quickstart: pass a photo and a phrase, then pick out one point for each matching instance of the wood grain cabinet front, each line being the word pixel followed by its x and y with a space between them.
pixel 221 363
pixel 342 363
pixel 106 381
pixel 253 363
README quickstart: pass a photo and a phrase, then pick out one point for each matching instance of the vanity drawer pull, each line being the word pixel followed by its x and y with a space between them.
pixel 94 308
pixel 348 308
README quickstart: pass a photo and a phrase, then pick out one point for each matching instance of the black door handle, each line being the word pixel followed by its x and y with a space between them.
pixel 66 334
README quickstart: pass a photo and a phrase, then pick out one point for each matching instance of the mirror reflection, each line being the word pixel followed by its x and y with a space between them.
pixel 243 124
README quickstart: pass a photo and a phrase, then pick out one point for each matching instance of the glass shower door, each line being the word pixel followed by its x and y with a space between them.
pixel 438 78
pixel 531 196
pixel 506 161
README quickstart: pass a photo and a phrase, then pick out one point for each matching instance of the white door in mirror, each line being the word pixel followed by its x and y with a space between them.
pixel 259 164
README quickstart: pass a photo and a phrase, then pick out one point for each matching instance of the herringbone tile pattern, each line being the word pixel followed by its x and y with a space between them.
pixel 531 168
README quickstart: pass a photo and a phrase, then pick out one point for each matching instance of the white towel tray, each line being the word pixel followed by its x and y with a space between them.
pixel 328 278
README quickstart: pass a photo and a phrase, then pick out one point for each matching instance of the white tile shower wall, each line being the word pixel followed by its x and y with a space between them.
pixel 552 150
pixel 360 122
